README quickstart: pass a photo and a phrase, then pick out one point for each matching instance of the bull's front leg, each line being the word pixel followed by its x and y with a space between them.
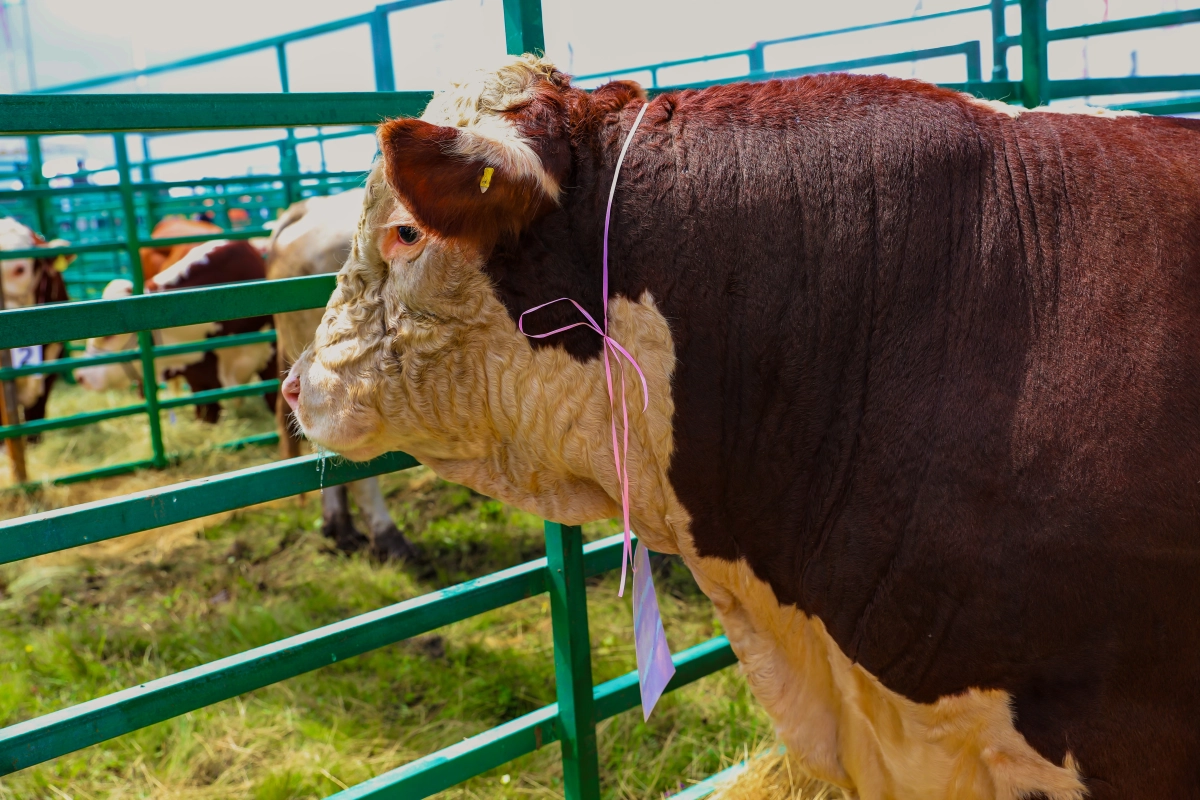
pixel 336 521
pixel 387 541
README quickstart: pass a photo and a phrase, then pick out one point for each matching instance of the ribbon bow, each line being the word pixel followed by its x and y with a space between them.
pixel 655 667
pixel 611 345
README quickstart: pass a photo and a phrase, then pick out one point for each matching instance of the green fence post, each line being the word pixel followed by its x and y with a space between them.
pixel 572 662
pixel 999 42
pixel 523 27
pixel 145 338
pixel 40 209
pixel 754 56
pixel 974 61
pixel 151 196
pixel 1034 74
pixel 381 52
pixel 288 164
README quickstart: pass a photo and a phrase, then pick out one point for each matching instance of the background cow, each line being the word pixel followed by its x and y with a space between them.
pixel 29 282
pixel 310 238
pixel 924 396
pixel 156 259
pixel 208 264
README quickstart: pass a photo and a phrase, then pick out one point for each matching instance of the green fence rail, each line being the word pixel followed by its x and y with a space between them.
pixel 561 574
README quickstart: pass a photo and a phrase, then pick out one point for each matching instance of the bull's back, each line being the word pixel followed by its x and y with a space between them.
pixel 947 364
pixel 1108 408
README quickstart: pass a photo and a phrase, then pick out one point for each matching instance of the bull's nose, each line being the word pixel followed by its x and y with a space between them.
pixel 291 389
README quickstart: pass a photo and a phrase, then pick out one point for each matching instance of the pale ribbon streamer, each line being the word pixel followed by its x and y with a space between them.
pixel 655 667
pixel 620 452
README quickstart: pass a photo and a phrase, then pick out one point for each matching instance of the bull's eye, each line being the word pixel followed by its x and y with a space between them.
pixel 408 234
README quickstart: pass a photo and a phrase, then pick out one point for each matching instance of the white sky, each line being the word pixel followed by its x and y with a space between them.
pixel 77 39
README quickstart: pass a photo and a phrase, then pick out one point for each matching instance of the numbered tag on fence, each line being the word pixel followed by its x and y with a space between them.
pixel 26 356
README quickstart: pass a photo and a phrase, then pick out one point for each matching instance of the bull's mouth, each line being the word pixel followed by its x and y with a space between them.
pixel 354 448
pixel 315 414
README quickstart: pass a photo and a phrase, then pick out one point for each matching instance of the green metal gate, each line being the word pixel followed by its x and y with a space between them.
pixel 561 574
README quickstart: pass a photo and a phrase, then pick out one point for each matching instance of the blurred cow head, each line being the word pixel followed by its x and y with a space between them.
pixel 22 275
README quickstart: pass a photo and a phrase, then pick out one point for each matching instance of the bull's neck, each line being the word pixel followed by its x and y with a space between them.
pixel 548 414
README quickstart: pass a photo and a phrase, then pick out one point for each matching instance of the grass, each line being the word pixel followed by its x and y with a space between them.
pixel 80 625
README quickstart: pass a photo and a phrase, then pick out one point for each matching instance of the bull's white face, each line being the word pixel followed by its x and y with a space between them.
pixel 415 350
pixel 406 327
pixel 17 272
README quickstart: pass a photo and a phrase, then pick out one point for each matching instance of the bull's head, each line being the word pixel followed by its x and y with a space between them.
pixel 418 352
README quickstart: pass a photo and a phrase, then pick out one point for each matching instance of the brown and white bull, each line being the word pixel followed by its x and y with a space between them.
pixel 311 238
pixel 208 264
pixel 30 282
pixel 924 396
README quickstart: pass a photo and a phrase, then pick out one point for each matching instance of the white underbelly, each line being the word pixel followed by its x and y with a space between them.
pixel 847 728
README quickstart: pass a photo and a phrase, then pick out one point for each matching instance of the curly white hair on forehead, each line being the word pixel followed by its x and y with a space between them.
pixel 479 104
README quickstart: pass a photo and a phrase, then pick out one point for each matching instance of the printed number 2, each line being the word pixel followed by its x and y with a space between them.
pixel 24 356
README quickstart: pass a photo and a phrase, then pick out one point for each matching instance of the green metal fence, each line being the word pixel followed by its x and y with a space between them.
pixel 91 214
pixel 561 574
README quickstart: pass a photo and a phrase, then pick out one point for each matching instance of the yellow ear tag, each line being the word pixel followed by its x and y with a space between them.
pixel 61 263
pixel 486 180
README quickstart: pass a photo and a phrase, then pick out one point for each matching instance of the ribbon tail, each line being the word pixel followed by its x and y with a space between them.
pixel 626 555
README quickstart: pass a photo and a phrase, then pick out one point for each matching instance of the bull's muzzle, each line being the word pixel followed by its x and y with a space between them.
pixel 291 389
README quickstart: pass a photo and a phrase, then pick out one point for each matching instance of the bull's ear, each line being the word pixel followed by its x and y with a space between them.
pixel 460 184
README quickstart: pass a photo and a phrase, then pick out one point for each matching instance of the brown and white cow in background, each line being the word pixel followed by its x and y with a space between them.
pixel 310 238
pixel 155 259
pixel 207 264
pixel 924 414
pixel 29 282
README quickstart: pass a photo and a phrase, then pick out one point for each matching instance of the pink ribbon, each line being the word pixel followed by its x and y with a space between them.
pixel 655 667
pixel 620 451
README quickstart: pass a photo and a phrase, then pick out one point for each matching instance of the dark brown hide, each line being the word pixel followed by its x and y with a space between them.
pixel 156 259
pixel 50 288
pixel 938 383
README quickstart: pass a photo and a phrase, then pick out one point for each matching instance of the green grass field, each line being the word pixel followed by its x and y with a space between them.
pixel 77 628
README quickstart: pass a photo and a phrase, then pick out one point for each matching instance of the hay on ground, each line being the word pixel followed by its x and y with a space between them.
pixel 772 774
pixel 125 439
